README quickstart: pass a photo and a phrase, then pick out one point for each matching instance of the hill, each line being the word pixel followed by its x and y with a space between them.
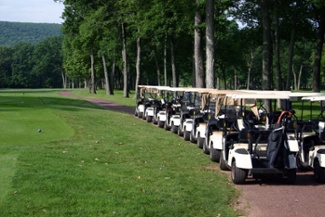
pixel 12 33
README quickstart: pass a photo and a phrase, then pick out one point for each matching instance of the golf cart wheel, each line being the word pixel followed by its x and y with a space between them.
pixel 214 154
pixel 319 172
pixel 148 118
pixel 300 166
pixel 136 113
pixel 144 117
pixel 140 114
pixel 166 127
pixel 291 176
pixel 192 138
pixel 205 148
pixel 160 123
pixel 200 142
pixel 238 176
pixel 179 131
pixel 186 135
pixel 174 128
pixel 223 164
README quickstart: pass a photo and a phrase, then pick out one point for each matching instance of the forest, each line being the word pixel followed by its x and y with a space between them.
pixel 27 65
pixel 30 55
pixel 13 33
pixel 224 44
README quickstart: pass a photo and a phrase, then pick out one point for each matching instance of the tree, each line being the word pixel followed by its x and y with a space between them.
pixel 5 66
pixel 22 66
pixel 198 47
pixel 210 44
pixel 48 62
pixel 319 9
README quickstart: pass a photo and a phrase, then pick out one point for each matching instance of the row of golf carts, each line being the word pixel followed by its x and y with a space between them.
pixel 236 130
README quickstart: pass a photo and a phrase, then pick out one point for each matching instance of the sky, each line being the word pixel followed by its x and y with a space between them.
pixel 31 11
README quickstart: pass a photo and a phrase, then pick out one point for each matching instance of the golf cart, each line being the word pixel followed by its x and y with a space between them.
pixel 211 104
pixel 261 150
pixel 221 127
pixel 173 109
pixel 192 114
pixel 148 105
pixel 311 154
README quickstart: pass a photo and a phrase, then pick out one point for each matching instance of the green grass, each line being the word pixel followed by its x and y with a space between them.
pixel 92 162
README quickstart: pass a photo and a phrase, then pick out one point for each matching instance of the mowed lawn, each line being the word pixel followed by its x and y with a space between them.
pixel 87 161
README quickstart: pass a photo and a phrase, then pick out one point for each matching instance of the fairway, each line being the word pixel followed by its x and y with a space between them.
pixel 88 161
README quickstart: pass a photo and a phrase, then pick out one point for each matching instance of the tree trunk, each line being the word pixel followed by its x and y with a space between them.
pixel 319 50
pixel 266 51
pixel 137 79
pixel 294 79
pixel 108 89
pixel 290 57
pixel 299 76
pixel 278 85
pixel 64 79
pixel 172 56
pixel 124 70
pixel 112 77
pixel 165 62
pixel 93 76
pixel 235 79
pixel 198 49
pixel 157 68
pixel 210 43
pixel 250 65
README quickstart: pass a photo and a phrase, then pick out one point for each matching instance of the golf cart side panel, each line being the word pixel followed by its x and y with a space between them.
pixel 321 157
pixel 162 115
pixel 201 129
pixel 141 108
pixel 241 156
pixel 319 154
pixel 150 111
pixel 176 119
pixel 188 125
pixel 216 140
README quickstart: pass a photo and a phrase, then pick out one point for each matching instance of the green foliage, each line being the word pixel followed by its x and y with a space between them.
pixel 13 33
pixel 33 66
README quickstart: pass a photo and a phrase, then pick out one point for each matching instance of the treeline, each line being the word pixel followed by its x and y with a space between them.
pixel 226 44
pixel 28 65
pixel 278 44
pixel 12 33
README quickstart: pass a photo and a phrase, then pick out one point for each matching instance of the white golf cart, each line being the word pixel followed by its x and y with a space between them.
pixel 144 102
pixel 210 108
pixel 312 150
pixel 190 108
pixel 261 150
pixel 173 108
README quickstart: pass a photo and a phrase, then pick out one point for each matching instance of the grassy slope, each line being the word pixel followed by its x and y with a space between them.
pixel 113 165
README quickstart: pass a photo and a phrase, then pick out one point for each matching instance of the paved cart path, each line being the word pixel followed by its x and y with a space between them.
pixel 262 199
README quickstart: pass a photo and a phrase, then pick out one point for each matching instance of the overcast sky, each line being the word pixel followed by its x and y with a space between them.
pixel 35 11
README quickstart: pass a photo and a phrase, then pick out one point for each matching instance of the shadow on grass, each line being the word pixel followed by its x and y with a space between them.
pixel 11 103
pixel 66 103
pixel 26 91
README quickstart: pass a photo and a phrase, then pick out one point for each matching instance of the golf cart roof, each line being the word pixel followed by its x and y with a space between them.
pixel 261 95
pixel 320 97
pixel 154 87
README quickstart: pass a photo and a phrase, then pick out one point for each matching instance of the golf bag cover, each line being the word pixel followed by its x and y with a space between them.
pixel 275 141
